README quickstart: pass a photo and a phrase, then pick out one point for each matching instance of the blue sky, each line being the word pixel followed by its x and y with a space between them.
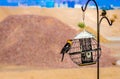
pixel 103 3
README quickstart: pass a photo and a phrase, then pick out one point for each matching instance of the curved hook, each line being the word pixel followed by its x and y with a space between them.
pixel 83 9
pixel 104 17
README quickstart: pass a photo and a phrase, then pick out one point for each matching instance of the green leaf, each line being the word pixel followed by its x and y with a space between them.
pixel 81 25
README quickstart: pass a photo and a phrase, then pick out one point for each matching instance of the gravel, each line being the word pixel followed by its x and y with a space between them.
pixel 33 40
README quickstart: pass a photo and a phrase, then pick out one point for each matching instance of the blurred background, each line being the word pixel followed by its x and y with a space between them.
pixel 103 4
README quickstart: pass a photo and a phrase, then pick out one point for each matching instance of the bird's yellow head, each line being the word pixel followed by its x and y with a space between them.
pixel 69 41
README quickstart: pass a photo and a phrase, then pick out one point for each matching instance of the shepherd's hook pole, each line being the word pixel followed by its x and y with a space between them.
pixel 98 32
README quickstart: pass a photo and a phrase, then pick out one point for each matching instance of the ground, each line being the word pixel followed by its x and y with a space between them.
pixel 74 73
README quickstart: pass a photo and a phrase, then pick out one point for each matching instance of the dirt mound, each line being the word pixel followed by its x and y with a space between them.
pixel 35 41
pixel 106 58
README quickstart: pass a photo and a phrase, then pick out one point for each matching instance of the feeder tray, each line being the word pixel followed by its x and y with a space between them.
pixel 84 49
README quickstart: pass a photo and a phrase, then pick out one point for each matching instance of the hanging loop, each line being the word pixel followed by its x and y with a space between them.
pixel 83 17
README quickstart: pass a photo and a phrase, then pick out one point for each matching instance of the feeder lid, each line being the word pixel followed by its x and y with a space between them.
pixel 84 34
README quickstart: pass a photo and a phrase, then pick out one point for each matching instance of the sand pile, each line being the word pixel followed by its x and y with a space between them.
pixel 33 40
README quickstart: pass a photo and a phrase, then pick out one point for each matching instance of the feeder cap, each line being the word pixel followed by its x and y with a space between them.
pixel 84 34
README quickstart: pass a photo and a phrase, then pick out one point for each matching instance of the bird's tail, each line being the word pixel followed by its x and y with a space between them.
pixel 62 56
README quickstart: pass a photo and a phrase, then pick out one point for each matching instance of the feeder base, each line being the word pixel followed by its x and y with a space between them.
pixel 84 64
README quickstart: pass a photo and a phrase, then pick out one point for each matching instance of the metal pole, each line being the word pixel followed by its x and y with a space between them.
pixel 98 33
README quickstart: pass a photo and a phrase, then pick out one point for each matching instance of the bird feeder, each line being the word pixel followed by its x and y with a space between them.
pixel 83 50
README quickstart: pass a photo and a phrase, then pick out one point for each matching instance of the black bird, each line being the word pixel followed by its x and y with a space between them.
pixel 66 48
pixel 103 13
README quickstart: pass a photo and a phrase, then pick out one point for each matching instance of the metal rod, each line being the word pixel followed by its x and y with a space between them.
pixel 104 17
pixel 98 32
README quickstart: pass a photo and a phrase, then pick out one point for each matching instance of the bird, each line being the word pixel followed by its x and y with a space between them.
pixel 103 13
pixel 66 48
